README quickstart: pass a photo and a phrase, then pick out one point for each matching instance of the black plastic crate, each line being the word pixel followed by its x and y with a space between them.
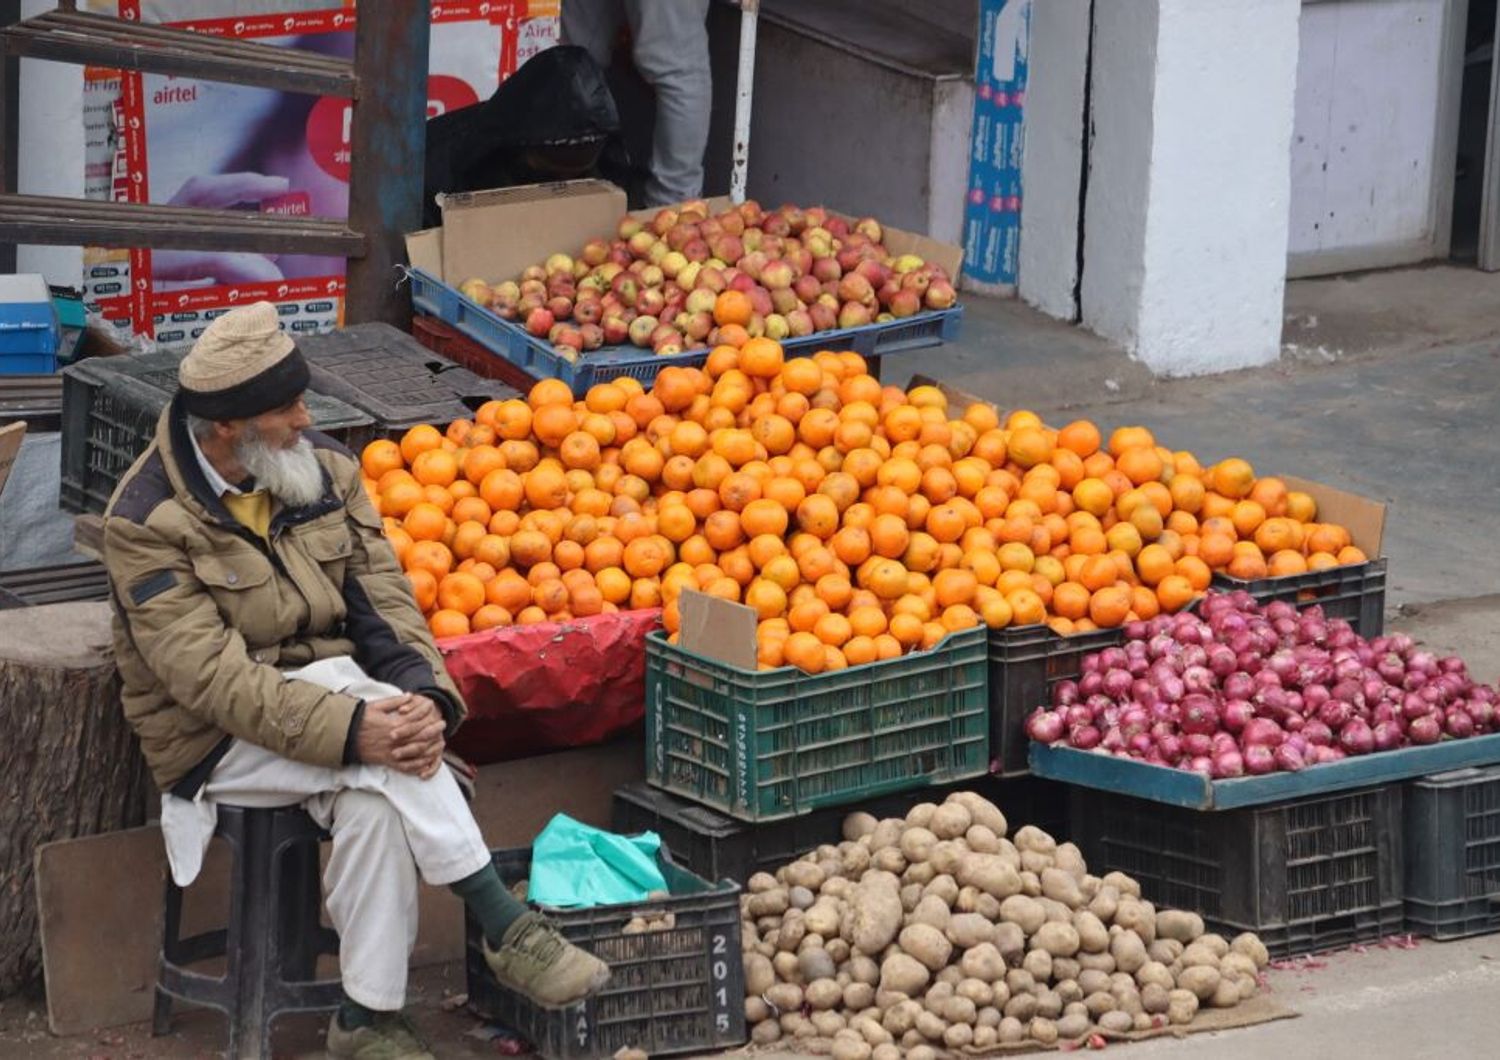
pixel 717 847
pixel 1453 853
pixel 1355 593
pixel 1024 661
pixel 1306 874
pixel 393 377
pixel 110 409
pixel 678 990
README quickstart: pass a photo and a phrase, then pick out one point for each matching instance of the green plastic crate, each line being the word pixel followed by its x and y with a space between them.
pixel 761 745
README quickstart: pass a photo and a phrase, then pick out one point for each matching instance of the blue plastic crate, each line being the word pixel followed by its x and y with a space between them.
pixel 537 358
pixel 28 363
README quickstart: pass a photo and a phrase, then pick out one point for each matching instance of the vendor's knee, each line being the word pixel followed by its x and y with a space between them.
pixel 364 811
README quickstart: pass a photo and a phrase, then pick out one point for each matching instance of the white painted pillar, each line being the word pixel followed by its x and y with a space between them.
pixel 1052 166
pixel 1186 215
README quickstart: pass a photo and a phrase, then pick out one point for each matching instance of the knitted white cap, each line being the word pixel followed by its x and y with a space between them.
pixel 242 365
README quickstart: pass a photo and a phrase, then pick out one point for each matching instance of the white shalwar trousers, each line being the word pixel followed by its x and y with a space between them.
pixel 388 827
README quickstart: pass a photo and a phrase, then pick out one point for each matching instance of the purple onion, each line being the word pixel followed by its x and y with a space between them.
pixel 1091 683
pixel 1259 760
pixel 1084 737
pixel 1136 630
pixel 1236 714
pixel 1391 668
pixel 1199 715
pixel 1239 685
pixel 1288 758
pixel 1196 744
pixel 1458 724
pixel 1117 683
pixel 1388 735
pixel 1226 764
pixel 1077 715
pixel 1045 726
pixel 1317 733
pixel 1424 730
pixel 1201 764
pixel 1261 732
pixel 1356 738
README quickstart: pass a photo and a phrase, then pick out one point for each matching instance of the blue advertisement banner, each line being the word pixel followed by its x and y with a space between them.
pixel 992 212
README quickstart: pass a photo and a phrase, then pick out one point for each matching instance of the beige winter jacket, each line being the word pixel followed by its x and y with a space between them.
pixel 208 615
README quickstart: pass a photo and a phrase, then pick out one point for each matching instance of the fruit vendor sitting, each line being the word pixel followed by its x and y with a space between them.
pixel 271 654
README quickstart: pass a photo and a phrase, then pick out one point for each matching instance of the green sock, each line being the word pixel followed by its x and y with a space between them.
pixel 353 1015
pixel 492 905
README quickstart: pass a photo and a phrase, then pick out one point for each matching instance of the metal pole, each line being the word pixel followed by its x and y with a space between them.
pixel 388 147
pixel 749 12
pixel 10 123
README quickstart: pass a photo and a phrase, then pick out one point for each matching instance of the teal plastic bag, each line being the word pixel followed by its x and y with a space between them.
pixel 576 866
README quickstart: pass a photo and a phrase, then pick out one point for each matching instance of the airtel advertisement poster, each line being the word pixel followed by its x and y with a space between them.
pixel 992 214
pixel 186 142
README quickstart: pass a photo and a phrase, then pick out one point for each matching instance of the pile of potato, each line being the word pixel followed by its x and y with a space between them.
pixel 938 933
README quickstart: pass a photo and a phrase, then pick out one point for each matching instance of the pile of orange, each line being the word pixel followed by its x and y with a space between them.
pixel 860 521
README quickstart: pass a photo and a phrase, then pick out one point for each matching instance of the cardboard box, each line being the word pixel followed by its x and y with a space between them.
pixel 1362 517
pixel 496 234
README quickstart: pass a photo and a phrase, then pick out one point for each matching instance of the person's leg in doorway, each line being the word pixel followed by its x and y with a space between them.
pixel 670 46
pixel 592 26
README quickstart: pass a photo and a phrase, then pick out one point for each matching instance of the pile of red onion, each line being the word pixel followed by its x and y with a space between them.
pixel 1241 689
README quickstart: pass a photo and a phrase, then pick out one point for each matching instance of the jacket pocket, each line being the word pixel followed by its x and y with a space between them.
pixel 326 544
pixel 233 573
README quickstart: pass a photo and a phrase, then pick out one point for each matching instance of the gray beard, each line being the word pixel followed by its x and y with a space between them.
pixel 293 476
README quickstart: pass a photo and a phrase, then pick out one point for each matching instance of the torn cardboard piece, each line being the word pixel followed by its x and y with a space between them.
pixel 718 629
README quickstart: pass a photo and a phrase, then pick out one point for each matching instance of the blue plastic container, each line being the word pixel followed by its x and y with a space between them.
pixel 29 328
pixel 537 358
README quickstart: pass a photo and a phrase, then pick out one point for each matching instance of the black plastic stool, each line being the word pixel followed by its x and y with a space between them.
pixel 274 938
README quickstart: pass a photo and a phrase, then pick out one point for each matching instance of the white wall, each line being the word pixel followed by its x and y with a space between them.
pixel 1216 234
pixel 1123 96
pixel 50 150
pixel 1185 236
pixel 1364 157
pixel 1052 168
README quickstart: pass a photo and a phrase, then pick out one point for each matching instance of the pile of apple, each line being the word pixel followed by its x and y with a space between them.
pixel 657 284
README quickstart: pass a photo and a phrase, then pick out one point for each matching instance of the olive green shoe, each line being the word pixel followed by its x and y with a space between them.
pixel 535 961
pixel 391 1037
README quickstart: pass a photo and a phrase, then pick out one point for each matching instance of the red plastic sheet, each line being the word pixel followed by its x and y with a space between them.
pixel 549 687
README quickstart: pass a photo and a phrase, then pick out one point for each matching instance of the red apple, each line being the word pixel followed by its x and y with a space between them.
pixel 940 295
pixel 650 302
pixel 698 326
pixel 760 301
pixel 752 263
pixel 711 279
pixel 826 269
pixel 917 280
pixel 595 252
pixel 870 228
pixel 837 227
pixel 681 235
pixel 784 300
pixel 777 327
pixel 593 336
pixel 742 282
pixel 752 239
pixel 728 248
pixel 776 224
pixel 799 323
pixel 751 212
pixel 905 302
pixel 570 337
pixel 697 250
pixel 616 330
pixel 653 276
pixel 641 244
pixel 640 330
pixel 854 315
pixel 776 274
pixel 662 223
pixel 664 333
pixel 477 291
pixel 628 227
pixel 627 289
pixel 534 272
pixel 687 277
pixel 873 271
pixel 855 288
pixel 539 322
pixel 561 308
pixel 588 310
pixel 700 300
pixel 807 288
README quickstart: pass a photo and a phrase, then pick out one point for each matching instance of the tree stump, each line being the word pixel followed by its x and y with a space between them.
pixel 69 764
